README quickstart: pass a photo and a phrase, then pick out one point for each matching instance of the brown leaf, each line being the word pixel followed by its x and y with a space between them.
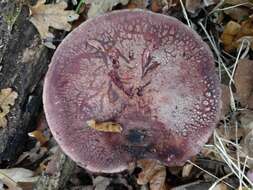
pixel 244 80
pixel 44 16
pixel 158 5
pixel 141 4
pixel 39 136
pixel 231 29
pixel 153 173
pixel 238 13
pixel 7 99
pixel 225 98
pixel 247 3
pixel 234 34
pixel 246 119
pixel 250 102
pixel 192 5
pixel 220 186
pixel 248 144
pixel 105 126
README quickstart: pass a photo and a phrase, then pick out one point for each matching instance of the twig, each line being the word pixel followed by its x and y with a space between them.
pixel 212 175
pixel 185 14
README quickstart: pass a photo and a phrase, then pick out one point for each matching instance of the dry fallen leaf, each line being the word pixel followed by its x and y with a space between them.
pixel 231 29
pixel 250 175
pixel 158 5
pixel 248 144
pixel 225 98
pixel 244 80
pixel 235 33
pixel 39 136
pixel 247 3
pixel 220 186
pixel 101 183
pixel 187 170
pixel 105 126
pixel 192 5
pixel 12 177
pixel 7 99
pixel 238 13
pixel 44 16
pixel 153 173
pixel 141 4
pixel 246 119
pixel 99 7
pixel 250 102
pixel 33 155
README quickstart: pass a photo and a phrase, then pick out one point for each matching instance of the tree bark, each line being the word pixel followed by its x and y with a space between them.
pixel 23 64
pixel 58 171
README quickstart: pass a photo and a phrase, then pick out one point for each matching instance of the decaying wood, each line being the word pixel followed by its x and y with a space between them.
pixel 23 64
pixel 58 171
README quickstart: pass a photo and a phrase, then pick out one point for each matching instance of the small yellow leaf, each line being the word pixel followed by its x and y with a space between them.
pixel 105 126
pixel 44 16
pixel 39 136
pixel 7 99
pixel 232 28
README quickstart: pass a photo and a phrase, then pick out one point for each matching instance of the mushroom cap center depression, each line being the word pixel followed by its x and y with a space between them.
pixel 145 71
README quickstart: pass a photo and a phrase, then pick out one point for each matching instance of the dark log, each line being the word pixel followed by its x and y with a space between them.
pixel 23 64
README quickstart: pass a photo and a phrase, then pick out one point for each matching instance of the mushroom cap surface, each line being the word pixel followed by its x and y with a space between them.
pixel 148 72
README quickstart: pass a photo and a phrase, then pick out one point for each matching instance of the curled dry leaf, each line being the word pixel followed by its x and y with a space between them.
pixel 153 173
pixel 231 29
pixel 33 155
pixel 39 136
pixel 235 33
pixel 187 170
pixel 99 7
pixel 105 126
pixel 244 81
pixel 44 16
pixel 7 99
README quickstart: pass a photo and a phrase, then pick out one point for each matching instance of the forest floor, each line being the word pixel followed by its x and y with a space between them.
pixel 225 162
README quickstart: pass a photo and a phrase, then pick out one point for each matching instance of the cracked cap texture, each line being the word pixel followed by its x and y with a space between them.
pixel 148 72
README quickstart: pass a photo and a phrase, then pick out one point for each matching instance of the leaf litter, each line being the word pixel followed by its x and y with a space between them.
pixel 44 16
pixel 226 161
pixel 7 99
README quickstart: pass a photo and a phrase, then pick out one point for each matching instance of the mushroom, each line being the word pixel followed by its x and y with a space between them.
pixel 147 72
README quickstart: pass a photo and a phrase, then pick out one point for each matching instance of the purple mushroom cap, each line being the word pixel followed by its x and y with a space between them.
pixel 148 72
